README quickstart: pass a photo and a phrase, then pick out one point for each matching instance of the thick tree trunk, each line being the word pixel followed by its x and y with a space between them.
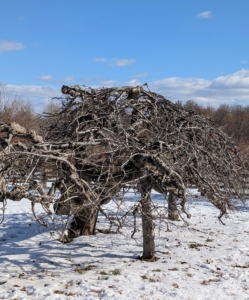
pixel 84 222
pixel 173 213
pixel 148 225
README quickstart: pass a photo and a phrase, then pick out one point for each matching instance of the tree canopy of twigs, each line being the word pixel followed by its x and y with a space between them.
pixel 103 139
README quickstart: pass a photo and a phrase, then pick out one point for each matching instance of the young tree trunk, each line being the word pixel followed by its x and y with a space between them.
pixel 173 214
pixel 148 225
pixel 84 222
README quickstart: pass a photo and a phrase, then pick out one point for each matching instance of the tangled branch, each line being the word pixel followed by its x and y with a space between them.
pixel 103 139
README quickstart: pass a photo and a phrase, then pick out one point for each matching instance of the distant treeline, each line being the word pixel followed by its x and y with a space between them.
pixel 233 119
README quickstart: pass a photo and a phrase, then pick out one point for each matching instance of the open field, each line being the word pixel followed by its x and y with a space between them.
pixel 205 260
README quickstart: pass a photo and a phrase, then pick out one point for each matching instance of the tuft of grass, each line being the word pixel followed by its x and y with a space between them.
pixel 173 269
pixel 208 240
pixel 71 294
pixel 58 292
pixel 151 279
pixel 79 270
pixel 157 270
pixel 103 273
pixel 115 272
pixel 103 278
pixel 96 291
pixel 21 275
pixel 195 245
pixel 82 270
pixel 68 285
pixel 112 272
pixel 206 282
pixel 89 268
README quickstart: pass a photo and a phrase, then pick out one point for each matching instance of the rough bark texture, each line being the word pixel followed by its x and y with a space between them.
pixel 84 222
pixel 173 213
pixel 147 222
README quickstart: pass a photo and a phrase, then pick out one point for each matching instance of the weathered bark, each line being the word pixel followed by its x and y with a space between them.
pixel 44 177
pixel 147 224
pixel 84 222
pixel 3 188
pixel 173 213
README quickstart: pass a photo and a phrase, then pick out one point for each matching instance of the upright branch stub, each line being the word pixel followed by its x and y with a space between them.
pixel 102 139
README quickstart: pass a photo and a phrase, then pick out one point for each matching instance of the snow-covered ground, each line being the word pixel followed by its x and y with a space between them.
pixel 205 260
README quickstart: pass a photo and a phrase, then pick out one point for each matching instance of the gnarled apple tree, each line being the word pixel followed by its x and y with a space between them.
pixel 102 140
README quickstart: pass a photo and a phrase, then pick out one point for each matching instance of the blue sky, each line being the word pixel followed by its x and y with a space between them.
pixel 184 49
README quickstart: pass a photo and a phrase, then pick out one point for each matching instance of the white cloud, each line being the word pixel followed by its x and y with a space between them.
pixel 230 89
pixel 122 62
pixel 32 90
pixel 237 80
pixel 53 80
pixel 140 75
pixel 45 78
pixel 179 88
pixel 204 15
pixel 39 96
pixel 107 83
pixel 6 46
pixel 133 82
pixel 99 59
pixel 65 80
pixel 115 62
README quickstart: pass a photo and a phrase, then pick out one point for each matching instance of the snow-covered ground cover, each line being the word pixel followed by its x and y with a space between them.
pixel 205 260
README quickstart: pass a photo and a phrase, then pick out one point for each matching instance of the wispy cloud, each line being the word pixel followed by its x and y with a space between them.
pixel 230 89
pixel 244 62
pixel 39 96
pixel 133 82
pixel 122 62
pixel 108 83
pixel 237 80
pixel 51 79
pixel 140 75
pixel 6 46
pixel 99 59
pixel 65 80
pixel 45 78
pixel 204 15
pixel 114 61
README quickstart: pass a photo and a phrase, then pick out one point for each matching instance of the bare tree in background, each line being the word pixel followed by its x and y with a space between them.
pixel 103 140
pixel 15 109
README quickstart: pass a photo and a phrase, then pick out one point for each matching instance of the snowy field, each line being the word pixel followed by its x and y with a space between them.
pixel 205 260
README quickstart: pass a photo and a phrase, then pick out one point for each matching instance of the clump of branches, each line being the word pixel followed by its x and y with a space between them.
pixel 102 140
pixel 133 134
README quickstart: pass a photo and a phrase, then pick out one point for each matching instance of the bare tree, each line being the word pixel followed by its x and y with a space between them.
pixel 102 140
pixel 13 108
